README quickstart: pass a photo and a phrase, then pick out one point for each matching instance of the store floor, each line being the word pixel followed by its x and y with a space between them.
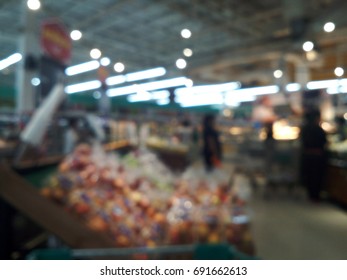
pixel 287 226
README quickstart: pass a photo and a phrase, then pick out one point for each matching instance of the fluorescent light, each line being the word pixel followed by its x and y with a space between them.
pixel 208 88
pixel 34 4
pixel 293 87
pixel 258 90
pixel 119 67
pixel 329 27
pixel 105 61
pixel 83 87
pixel 12 59
pixel 175 82
pixel 187 52
pixel 160 94
pixel 146 96
pixel 321 84
pixel 339 71
pixel 236 99
pixel 181 63
pixel 115 80
pixel 336 90
pixel 162 102
pixel 186 33
pixel 139 96
pixel 76 35
pixel 95 53
pixel 81 68
pixel 145 74
pixel 308 46
pixel 201 99
pixel 278 74
pixel 35 81
pixel 189 83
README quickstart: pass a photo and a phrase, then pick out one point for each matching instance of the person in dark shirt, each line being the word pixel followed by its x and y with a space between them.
pixel 313 155
pixel 212 149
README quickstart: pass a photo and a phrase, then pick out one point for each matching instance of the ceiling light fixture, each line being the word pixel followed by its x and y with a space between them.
pixel 105 61
pixel 119 67
pixel 163 84
pixel 81 68
pixel 34 5
pixel 225 87
pixel 329 27
pixel 146 74
pixel 115 80
pixel 162 102
pixel 12 59
pixel 293 87
pixel 83 87
pixel 308 46
pixel 278 74
pixel 181 63
pixel 35 81
pixel 187 52
pixel 186 33
pixel 339 71
pixel 95 53
pixel 76 35
pixel 325 84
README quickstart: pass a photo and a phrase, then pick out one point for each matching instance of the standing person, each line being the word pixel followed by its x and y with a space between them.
pixel 212 148
pixel 313 155
pixel 70 137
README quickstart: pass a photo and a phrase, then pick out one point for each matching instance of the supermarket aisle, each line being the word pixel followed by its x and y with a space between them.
pixel 292 228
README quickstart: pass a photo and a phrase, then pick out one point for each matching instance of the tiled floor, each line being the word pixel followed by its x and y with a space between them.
pixel 289 227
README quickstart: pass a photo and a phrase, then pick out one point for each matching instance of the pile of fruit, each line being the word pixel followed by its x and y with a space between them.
pixel 138 202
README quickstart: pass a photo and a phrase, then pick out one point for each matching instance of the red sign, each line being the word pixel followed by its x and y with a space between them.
pixel 55 41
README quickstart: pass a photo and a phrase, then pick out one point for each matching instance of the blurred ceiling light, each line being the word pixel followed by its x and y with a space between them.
pixel 162 102
pixel 82 87
pixel 119 67
pixel 175 82
pixel 308 46
pixel 160 94
pixel 12 59
pixel 146 74
pixel 208 88
pixel 345 116
pixel 95 53
pixel 97 94
pixel 189 83
pixel 34 4
pixel 105 61
pixel 329 27
pixel 181 63
pixel 116 80
pixel 293 87
pixel 339 71
pixel 232 99
pixel 259 90
pixel 337 90
pixel 35 81
pixel 76 35
pixel 186 33
pixel 325 84
pixel 311 55
pixel 187 52
pixel 278 74
pixel 139 97
pixel 327 127
pixel 81 68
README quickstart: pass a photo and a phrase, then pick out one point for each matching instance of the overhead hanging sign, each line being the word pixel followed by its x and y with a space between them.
pixel 55 41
